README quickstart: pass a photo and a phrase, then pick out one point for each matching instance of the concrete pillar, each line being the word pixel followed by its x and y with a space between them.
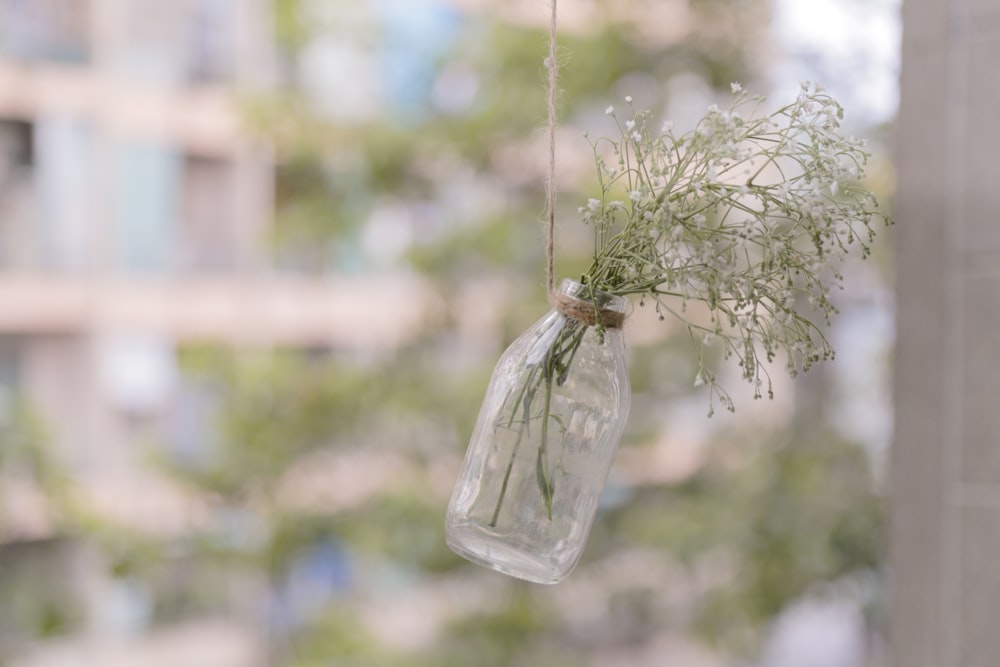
pixel 945 469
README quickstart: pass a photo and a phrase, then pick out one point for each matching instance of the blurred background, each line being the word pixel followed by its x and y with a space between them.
pixel 257 259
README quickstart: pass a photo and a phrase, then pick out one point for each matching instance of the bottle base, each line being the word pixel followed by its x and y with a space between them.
pixel 493 552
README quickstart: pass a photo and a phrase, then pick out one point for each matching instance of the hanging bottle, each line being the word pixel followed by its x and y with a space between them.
pixel 544 441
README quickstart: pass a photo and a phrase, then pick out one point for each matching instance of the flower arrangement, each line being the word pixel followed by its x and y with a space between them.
pixel 747 214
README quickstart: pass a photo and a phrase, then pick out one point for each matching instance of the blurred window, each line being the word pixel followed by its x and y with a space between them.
pixel 211 40
pixel 153 41
pixel 190 440
pixel 10 351
pixel 148 197
pixel 17 209
pixel 207 227
pixel 64 186
pixel 54 30
pixel 16 145
pixel 188 41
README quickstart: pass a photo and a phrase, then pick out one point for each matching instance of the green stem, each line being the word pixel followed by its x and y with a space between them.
pixel 506 477
pixel 524 398
pixel 541 469
pixel 564 347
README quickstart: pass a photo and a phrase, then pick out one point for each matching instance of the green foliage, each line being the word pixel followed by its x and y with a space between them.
pixel 780 513
pixel 26 450
pixel 338 638
pixel 404 526
pixel 35 601
pixel 516 632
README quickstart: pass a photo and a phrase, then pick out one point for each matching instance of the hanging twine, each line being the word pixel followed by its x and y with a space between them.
pixel 552 64
pixel 577 309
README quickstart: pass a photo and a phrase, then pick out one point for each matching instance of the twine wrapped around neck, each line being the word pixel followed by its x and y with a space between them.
pixel 585 312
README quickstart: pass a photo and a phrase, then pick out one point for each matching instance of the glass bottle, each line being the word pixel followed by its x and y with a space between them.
pixel 547 432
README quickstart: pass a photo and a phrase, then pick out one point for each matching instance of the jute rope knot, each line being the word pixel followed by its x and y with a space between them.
pixel 585 312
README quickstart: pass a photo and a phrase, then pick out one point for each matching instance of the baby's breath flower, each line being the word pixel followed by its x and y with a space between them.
pixel 736 87
pixel 628 98
pixel 747 215
pixel 610 110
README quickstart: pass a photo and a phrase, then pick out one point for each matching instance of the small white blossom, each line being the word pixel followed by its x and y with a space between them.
pixel 636 136
pixel 628 98
pixel 736 87
pixel 593 204
pixel 629 124
pixel 668 125
pixel 635 195
pixel 610 110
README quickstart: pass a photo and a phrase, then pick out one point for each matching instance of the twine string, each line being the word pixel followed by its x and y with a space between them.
pixel 552 64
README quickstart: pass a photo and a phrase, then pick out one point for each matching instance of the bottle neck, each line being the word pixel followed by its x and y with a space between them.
pixel 605 310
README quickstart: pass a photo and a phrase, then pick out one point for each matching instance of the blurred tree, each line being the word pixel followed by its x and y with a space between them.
pixel 33 482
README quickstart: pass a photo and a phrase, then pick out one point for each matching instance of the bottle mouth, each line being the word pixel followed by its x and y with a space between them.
pixel 602 300
pixel 589 306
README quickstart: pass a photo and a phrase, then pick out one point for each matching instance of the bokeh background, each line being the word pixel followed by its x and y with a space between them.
pixel 257 259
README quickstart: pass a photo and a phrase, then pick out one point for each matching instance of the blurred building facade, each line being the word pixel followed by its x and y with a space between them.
pixel 127 185
pixel 135 208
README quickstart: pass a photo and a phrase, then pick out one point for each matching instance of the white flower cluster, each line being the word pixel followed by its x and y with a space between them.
pixel 746 213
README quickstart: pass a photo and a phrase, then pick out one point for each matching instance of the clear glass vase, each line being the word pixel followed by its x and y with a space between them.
pixel 547 431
